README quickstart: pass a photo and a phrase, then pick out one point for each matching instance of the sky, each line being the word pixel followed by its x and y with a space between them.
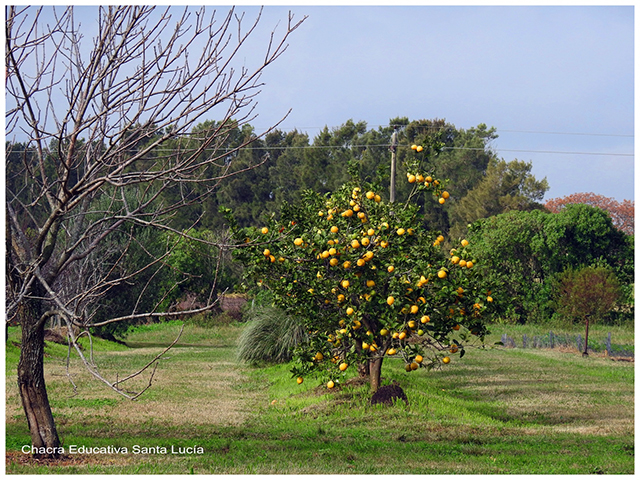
pixel 557 82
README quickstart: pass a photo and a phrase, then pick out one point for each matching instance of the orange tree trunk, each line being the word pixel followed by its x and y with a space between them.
pixel 33 391
pixel 375 369
pixel 585 353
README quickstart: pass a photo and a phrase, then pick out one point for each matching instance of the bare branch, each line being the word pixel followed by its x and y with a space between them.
pixel 112 138
pixel 93 369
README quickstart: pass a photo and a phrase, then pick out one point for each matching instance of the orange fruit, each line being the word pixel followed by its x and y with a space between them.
pixel 446 360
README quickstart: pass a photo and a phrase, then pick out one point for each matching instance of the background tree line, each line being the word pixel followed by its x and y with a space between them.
pixel 483 186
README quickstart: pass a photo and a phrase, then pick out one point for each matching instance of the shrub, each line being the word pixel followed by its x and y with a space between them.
pixel 270 336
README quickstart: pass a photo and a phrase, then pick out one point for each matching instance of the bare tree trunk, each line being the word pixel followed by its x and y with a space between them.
pixel 110 134
pixel 33 391
pixel 375 369
pixel 585 353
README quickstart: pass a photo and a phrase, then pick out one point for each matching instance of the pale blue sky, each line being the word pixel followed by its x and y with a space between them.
pixel 565 73
pixel 520 69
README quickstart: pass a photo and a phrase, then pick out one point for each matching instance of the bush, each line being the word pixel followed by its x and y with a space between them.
pixel 270 336
pixel 525 254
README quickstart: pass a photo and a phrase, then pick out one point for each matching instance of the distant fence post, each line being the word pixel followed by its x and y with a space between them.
pixel 551 340
pixel 579 342
pixel 524 341
pixel 507 341
pixel 608 345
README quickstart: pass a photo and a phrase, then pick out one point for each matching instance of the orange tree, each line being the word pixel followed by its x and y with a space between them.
pixel 368 280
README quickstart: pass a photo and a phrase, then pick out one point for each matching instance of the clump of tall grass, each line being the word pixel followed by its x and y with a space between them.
pixel 270 336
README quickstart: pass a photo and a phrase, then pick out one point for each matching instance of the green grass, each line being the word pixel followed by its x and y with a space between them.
pixel 510 411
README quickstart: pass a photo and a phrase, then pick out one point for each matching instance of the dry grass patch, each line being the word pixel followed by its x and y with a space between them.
pixel 194 396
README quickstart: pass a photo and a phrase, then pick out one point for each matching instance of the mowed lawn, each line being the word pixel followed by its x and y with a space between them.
pixel 510 411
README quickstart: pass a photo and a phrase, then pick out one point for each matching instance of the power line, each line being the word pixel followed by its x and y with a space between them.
pixel 537 132
pixel 547 151
pixel 479 149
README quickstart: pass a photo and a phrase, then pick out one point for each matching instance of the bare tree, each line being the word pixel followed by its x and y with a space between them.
pixel 108 130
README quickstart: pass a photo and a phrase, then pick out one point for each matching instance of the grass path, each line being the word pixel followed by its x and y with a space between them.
pixel 497 411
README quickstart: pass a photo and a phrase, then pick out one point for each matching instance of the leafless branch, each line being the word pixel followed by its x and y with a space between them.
pixel 115 385
pixel 102 131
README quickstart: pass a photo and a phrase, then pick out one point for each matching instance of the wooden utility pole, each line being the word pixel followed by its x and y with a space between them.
pixel 393 148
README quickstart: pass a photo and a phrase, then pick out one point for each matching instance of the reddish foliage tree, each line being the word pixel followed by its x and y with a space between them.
pixel 622 213
pixel 587 294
